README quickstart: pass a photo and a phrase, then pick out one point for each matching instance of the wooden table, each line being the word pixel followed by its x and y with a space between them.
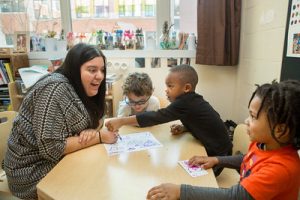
pixel 92 174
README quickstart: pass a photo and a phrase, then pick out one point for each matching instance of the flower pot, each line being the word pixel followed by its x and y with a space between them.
pixel 61 45
pixel 50 44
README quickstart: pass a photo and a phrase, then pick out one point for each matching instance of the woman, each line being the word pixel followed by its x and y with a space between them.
pixel 59 115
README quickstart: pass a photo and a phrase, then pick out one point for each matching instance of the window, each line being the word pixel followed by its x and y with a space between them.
pixel 44 9
pixel 34 16
pixel 101 8
pixel 109 15
pixel 88 16
pixel 82 8
pixel 12 6
pixel 184 15
pixel 150 10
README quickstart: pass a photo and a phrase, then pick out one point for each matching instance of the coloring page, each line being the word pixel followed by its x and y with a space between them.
pixel 133 142
pixel 194 171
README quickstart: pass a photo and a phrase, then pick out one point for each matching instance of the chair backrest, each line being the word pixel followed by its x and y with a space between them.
pixel 241 140
pixel 15 98
pixel 6 123
pixel 163 101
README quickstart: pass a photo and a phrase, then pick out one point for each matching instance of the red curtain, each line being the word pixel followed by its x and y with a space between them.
pixel 218 25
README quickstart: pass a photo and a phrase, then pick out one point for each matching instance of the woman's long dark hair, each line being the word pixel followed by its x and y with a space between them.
pixel 76 57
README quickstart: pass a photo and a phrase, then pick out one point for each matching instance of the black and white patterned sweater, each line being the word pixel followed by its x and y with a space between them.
pixel 50 113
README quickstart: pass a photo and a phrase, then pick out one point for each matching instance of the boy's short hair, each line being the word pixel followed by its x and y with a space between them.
pixel 187 74
pixel 139 84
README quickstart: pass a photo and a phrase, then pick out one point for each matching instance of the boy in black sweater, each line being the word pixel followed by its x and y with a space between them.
pixel 196 115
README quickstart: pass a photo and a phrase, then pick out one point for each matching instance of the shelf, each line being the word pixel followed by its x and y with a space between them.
pixel 42 55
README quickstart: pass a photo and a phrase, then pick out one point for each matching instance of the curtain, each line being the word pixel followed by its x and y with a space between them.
pixel 218 27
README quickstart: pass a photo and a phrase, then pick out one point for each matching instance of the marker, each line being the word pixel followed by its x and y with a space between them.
pixel 119 137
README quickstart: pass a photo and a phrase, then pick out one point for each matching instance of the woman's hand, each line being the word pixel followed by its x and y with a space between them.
pixel 166 191
pixel 87 135
pixel 108 137
pixel 177 129
pixel 113 124
pixel 204 161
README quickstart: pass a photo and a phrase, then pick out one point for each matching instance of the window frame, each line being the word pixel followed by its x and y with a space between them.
pixel 163 13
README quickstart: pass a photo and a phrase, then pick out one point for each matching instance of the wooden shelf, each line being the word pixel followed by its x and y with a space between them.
pixel 17 60
pixel 157 53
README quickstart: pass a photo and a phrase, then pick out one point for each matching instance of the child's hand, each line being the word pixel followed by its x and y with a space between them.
pixel 87 135
pixel 167 191
pixel 204 161
pixel 177 129
pixel 108 137
pixel 113 124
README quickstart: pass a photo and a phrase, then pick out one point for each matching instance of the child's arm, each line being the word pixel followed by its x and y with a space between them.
pixel 194 192
pixel 116 123
pixel 169 191
pixel 233 162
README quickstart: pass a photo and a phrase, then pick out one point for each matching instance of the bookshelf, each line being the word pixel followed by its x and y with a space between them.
pixel 4 98
pixel 16 61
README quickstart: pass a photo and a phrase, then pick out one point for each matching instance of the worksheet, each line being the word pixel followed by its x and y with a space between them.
pixel 133 142
pixel 194 171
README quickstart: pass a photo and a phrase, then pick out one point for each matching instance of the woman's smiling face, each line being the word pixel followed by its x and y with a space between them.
pixel 92 74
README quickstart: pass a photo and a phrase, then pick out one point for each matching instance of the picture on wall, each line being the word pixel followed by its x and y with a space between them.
pixel 155 63
pixel 185 61
pixel 21 41
pixel 140 62
pixel 172 62
pixel 293 40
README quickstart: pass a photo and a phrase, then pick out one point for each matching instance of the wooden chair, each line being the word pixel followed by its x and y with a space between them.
pixel 15 98
pixel 241 141
pixel 163 102
pixel 6 118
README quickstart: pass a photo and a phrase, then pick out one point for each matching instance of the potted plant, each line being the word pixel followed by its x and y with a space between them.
pixel 165 37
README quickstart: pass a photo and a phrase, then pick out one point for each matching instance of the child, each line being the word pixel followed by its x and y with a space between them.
pixel 137 90
pixel 271 168
pixel 196 115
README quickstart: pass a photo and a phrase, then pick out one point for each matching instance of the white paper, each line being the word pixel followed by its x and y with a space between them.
pixel 30 75
pixel 194 171
pixel 133 142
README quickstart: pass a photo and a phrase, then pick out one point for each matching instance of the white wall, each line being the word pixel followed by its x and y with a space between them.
pixel 188 16
pixel 262 39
